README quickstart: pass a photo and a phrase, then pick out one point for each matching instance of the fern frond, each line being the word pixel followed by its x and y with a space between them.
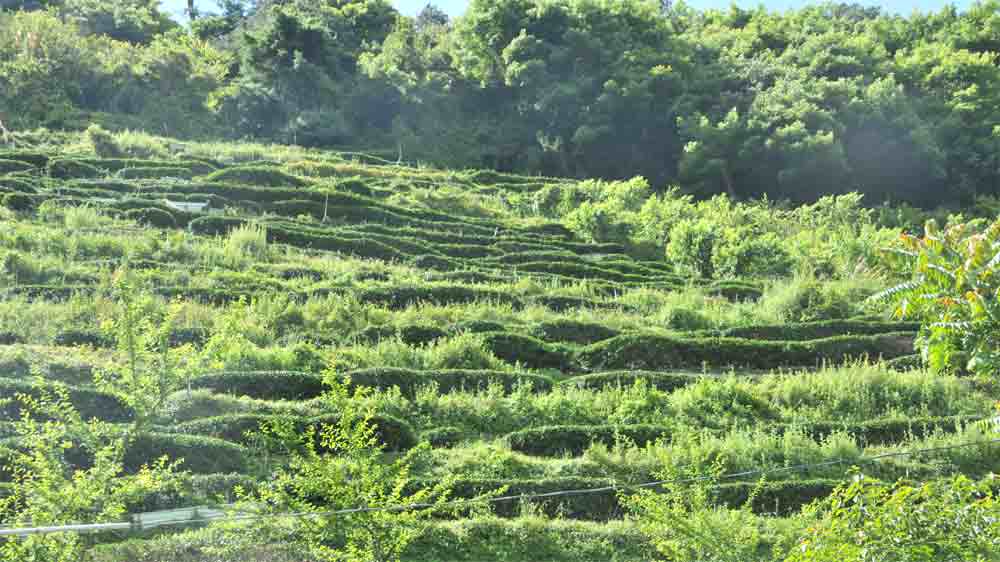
pixel 893 292
pixel 962 326
pixel 993 263
pixel 992 232
pixel 900 251
pixel 941 270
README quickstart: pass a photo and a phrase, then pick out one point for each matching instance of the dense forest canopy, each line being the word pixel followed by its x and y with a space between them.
pixel 829 98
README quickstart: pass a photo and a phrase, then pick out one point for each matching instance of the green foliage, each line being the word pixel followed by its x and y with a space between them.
pixel 216 225
pixel 594 223
pixel 157 218
pixel 87 402
pixel 708 249
pixel 570 331
pixel 14 166
pixel 684 523
pixel 654 352
pixel 356 475
pixel 808 300
pixel 147 368
pixel 19 184
pixel 955 292
pixel 744 253
pixel 401 297
pixel 48 490
pixel 71 338
pixel 281 385
pixel 196 454
pixel 887 431
pixel 312 51
pixel 735 291
pixel 238 344
pixel 392 433
pixel 155 173
pixel 36 159
pixel 950 519
pixel 245 244
pixel 692 246
pixel 818 100
pixel 103 142
pixel 817 330
pixel 59 67
pixel 906 362
pixel 662 381
pixel 66 168
pixel 574 440
pixel 410 381
pixel 135 21
pixel 528 351
pixel 256 176
pixel 19 202
pixel 481 293
pixel 412 334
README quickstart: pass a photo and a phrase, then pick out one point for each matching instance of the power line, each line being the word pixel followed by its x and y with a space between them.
pixel 136 523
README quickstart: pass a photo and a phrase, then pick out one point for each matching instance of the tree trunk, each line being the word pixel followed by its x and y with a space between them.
pixel 727 178
pixel 192 10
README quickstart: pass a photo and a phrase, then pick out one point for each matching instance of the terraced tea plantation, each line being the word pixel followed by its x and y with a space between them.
pixel 519 357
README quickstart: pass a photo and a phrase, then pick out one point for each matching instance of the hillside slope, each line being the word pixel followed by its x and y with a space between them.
pixel 531 359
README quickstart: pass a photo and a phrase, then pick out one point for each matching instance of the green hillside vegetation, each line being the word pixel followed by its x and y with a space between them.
pixel 827 98
pixel 581 280
pixel 494 350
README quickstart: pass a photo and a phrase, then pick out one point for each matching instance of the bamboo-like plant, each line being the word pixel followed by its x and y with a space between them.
pixel 955 292
pixel 147 369
pixel 351 500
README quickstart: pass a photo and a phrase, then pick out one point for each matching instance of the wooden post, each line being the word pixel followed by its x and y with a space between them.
pixel 5 134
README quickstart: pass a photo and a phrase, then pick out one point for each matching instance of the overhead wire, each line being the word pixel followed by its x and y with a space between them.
pixel 134 524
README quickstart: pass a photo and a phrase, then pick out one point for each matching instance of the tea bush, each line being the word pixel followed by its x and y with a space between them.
pixel 256 176
pixel 409 381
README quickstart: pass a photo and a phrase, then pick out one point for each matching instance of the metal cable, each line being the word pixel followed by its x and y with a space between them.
pixel 23 531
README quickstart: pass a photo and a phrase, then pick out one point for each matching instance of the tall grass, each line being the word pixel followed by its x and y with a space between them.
pixel 76 218
pixel 245 246
pixel 463 351
pixel 756 449
pixel 138 144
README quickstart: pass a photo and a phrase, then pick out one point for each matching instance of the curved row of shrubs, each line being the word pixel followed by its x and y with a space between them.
pixel 269 385
pixel 369 244
pixel 578 270
pixel 200 454
pixel 36 159
pixel 558 440
pixel 14 166
pixel 214 296
pixel 394 297
pixel 573 440
pixel 447 380
pixel 530 352
pixel 797 331
pixel 88 402
pixel 290 385
pixel 660 353
pixel 667 382
pixel 772 497
pixel 572 331
pixel 93 168
pixel 395 434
